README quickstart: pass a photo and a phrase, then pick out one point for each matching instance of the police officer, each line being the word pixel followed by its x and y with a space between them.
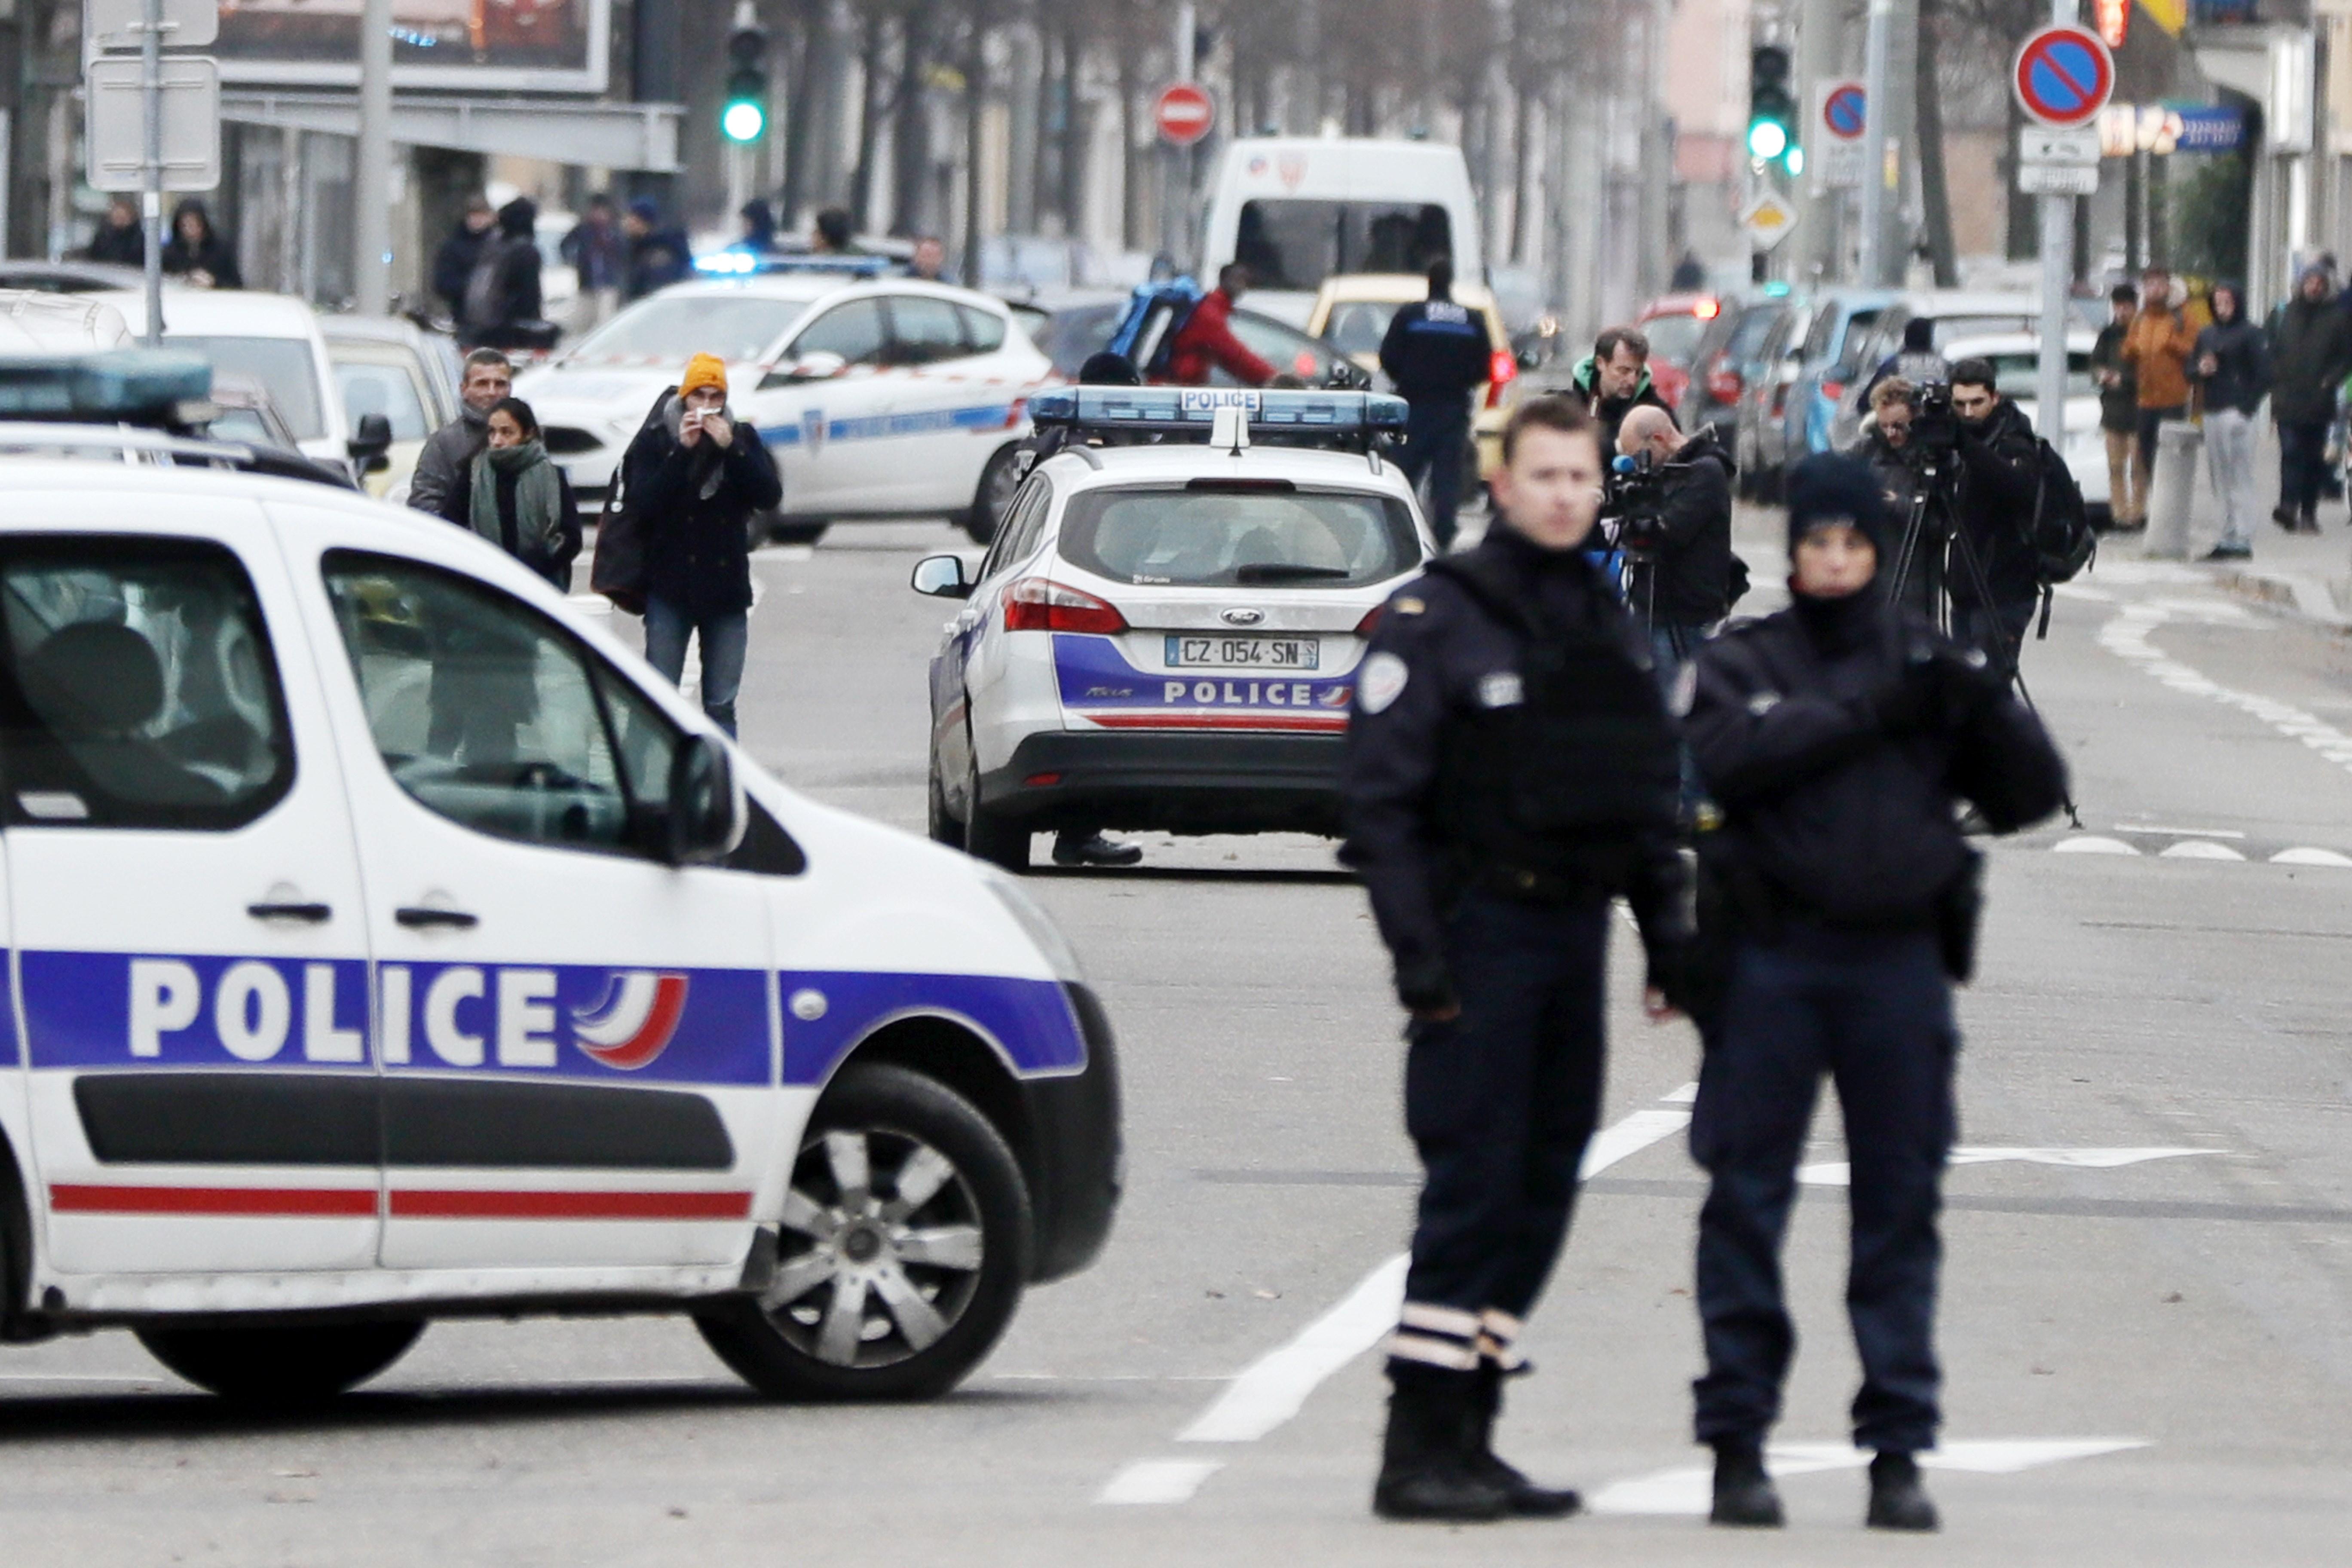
pixel 1437 353
pixel 1509 767
pixel 1834 736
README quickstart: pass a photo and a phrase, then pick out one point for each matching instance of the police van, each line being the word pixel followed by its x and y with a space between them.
pixel 1165 632
pixel 385 943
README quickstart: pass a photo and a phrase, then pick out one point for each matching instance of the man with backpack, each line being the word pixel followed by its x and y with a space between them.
pixel 502 307
pixel 2005 490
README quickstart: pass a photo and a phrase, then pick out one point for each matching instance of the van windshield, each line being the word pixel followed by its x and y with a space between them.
pixel 1208 536
pixel 284 365
pixel 1295 244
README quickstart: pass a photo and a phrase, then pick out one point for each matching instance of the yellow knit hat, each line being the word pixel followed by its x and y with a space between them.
pixel 703 370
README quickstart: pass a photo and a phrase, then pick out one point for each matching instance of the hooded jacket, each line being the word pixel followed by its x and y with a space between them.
pixel 1205 343
pixel 503 290
pixel 2241 372
pixel 2311 350
pixel 1582 385
pixel 2002 479
pixel 212 254
pixel 696 504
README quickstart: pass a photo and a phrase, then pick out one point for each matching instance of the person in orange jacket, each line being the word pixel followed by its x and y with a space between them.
pixel 2156 348
pixel 1205 343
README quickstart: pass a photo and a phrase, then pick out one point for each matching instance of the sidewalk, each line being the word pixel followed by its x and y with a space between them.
pixel 2309 575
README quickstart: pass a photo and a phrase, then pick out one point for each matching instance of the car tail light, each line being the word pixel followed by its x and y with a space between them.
pixel 1037 605
pixel 1707 310
pixel 1723 384
pixel 1832 390
pixel 1502 368
pixel 1372 621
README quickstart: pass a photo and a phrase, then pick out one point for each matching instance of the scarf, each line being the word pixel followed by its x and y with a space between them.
pixel 705 457
pixel 538 499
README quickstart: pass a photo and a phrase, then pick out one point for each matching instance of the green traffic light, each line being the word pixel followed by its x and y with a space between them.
pixel 1767 139
pixel 743 120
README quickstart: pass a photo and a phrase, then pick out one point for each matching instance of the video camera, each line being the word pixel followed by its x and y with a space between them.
pixel 1632 500
pixel 1934 428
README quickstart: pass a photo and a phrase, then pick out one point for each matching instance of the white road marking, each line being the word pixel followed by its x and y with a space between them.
pixel 1158 1481
pixel 2126 636
pixel 1839 1174
pixel 2092 843
pixel 1686 1490
pixel 2180 831
pixel 2201 849
pixel 2310 857
pixel 1275 1386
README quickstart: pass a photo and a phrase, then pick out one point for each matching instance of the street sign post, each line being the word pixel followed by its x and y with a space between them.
pixel 111 24
pixel 2062 77
pixel 1840 113
pixel 1767 219
pixel 1185 112
pixel 117 149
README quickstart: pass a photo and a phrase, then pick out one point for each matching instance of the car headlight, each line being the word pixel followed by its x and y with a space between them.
pixel 1038 925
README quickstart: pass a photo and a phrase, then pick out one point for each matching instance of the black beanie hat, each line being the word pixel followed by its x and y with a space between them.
pixel 1825 488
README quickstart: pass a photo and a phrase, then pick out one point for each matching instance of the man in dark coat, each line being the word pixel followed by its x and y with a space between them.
pixel 2311 352
pixel 446 465
pixel 695 476
pixel 1510 770
pixel 659 255
pixel 121 238
pixel 454 262
pixel 1437 353
pixel 2000 460
pixel 503 305
pixel 1835 736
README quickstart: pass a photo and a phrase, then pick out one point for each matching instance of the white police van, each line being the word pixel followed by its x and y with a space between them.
pixel 1166 634
pixel 386 942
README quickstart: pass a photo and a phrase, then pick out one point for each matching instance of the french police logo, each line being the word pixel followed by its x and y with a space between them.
pixel 633 1021
pixel 1382 683
pixel 1500 689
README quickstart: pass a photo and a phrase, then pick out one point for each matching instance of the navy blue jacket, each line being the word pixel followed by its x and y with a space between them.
pixel 695 505
pixel 1435 349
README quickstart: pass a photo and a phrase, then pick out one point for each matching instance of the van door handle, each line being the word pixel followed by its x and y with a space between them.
pixel 417 917
pixel 309 914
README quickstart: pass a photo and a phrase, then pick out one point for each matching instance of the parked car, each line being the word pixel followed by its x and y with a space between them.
pixel 389 365
pixel 1955 314
pixel 1761 440
pixel 69 277
pixel 1729 356
pixel 1675 324
pixel 1352 312
pixel 1839 319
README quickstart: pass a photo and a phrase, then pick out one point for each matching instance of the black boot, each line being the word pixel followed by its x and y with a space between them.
pixel 1744 1495
pixel 1897 1501
pixel 1525 1497
pixel 1424 1471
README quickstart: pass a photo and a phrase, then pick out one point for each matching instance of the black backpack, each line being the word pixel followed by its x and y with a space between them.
pixel 2063 540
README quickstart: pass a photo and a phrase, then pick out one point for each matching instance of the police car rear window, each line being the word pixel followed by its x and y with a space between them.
pixel 138 688
pixel 1226 537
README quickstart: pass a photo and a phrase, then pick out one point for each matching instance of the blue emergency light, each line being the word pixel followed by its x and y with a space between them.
pixel 1346 418
pixel 751 264
pixel 120 384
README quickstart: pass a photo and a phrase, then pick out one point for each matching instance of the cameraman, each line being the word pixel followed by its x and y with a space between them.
pixel 2000 470
pixel 1684 527
pixel 1895 464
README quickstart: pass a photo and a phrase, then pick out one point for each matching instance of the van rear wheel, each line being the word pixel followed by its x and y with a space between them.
pixel 907 1240
pixel 281 1366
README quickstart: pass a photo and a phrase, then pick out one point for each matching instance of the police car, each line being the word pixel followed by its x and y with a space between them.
pixel 880 398
pixel 386 942
pixel 1165 635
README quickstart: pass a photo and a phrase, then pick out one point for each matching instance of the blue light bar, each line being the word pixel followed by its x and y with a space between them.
pixel 117 385
pixel 750 263
pixel 1346 417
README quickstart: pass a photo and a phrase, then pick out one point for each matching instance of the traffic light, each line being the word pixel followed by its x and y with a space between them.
pixel 1771 111
pixel 745 116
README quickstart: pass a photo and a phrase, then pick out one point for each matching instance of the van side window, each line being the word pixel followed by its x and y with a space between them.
pixel 490 713
pixel 137 687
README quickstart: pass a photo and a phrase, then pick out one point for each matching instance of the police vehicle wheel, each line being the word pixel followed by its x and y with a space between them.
pixel 998 480
pixel 907 1240
pixel 944 828
pixel 281 1365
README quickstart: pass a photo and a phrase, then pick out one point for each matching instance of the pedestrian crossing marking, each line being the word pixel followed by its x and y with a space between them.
pixel 2199 849
pixel 1688 1489
pixel 1149 1481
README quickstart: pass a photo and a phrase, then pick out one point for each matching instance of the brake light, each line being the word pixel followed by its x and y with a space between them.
pixel 1502 367
pixel 1037 605
pixel 1832 390
pixel 1707 310
pixel 1372 621
pixel 1723 383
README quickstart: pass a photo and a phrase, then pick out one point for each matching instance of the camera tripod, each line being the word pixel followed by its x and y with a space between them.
pixel 1933 542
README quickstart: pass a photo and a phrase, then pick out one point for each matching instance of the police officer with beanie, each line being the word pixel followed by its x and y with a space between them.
pixel 1509 769
pixel 1838 736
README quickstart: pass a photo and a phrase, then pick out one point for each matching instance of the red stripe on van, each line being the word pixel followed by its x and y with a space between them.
pixel 68 1197
pixel 470 1205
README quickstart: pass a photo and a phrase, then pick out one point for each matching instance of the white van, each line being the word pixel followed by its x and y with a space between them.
pixel 272 337
pixel 1299 209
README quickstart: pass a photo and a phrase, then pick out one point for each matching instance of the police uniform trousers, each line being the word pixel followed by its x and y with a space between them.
pixel 1436 436
pixel 1500 1103
pixel 1873 1011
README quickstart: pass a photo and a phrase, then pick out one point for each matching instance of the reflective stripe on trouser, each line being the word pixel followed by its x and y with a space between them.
pixel 1874 1011
pixel 1501 1100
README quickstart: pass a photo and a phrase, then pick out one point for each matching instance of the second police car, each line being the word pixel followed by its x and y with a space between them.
pixel 1166 630
pixel 385 942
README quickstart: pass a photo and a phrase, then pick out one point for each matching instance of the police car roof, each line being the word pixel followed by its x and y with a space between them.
pixel 1178 462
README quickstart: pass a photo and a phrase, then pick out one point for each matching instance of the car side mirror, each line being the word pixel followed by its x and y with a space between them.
pixel 706 817
pixel 821 365
pixel 942 577
pixel 371 443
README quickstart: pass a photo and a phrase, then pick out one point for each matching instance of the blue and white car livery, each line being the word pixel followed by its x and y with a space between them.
pixel 385 942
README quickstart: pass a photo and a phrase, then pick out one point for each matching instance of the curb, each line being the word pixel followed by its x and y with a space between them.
pixel 2312 599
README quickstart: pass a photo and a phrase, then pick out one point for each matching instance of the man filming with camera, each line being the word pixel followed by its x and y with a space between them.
pixel 1679 524
pixel 2000 467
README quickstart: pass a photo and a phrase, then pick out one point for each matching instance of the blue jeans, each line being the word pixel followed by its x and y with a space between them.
pixel 1672 647
pixel 1873 1011
pixel 723 636
pixel 1434 435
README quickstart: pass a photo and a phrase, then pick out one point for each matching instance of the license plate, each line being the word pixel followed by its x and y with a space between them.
pixel 1244 653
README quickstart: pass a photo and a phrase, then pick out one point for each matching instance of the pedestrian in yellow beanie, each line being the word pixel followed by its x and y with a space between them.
pixel 704 370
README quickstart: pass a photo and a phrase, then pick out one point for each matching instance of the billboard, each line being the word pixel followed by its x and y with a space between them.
pixel 483 46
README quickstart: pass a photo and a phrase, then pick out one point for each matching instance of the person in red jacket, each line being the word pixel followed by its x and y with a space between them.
pixel 1205 343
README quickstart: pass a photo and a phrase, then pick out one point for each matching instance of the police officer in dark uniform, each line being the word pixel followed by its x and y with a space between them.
pixel 1437 353
pixel 1510 768
pixel 1836 736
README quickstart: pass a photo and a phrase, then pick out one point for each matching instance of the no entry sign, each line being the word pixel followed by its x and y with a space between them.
pixel 1184 114
pixel 2062 76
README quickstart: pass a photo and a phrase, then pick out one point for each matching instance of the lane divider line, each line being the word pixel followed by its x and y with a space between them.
pixel 2126 637
pixel 1274 1388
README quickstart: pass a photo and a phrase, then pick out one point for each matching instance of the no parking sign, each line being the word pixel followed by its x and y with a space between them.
pixel 2062 76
